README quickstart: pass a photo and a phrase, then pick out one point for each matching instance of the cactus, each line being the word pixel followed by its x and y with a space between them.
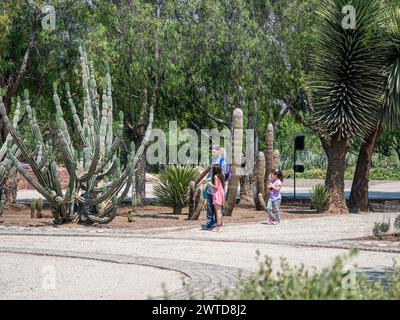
pixel 8 147
pixel 97 180
pixel 269 157
pixel 39 207
pixel 276 159
pixel 33 208
pixel 237 147
pixel 260 174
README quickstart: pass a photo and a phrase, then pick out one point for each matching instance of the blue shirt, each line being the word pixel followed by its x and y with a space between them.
pixel 221 161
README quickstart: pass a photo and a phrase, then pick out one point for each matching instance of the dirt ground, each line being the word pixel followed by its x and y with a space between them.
pixel 150 216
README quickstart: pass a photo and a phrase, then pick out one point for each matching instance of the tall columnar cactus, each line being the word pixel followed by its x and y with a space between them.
pixel 8 147
pixel 237 148
pixel 276 159
pixel 260 187
pixel 97 180
pixel 269 156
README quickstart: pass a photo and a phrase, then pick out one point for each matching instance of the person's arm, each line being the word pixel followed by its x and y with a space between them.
pixel 214 185
pixel 276 187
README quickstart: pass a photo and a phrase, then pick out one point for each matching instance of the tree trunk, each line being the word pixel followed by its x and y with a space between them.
pixel 358 201
pixel 335 174
pixel 177 210
pixel 236 161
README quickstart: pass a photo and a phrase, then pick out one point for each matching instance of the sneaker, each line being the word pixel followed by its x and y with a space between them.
pixel 207 227
pixel 217 229
pixel 270 221
pixel 275 222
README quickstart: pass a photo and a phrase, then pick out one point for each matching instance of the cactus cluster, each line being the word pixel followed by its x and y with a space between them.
pixel 97 180
pixel 8 147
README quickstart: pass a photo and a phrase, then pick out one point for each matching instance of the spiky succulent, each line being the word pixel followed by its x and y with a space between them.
pixel 392 88
pixel 348 69
pixel 173 186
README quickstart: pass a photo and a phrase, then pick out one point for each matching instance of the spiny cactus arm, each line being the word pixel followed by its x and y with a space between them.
pixel 75 117
pixel 20 143
pixel 89 121
pixel 42 190
pixel 109 138
pixel 109 212
pixel 106 161
pixel 118 183
pixel 93 165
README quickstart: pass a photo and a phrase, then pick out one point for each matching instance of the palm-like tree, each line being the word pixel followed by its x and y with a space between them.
pixel 390 112
pixel 346 85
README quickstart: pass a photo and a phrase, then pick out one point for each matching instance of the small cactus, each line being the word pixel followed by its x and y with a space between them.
pixel 131 216
pixel 39 208
pixel 33 208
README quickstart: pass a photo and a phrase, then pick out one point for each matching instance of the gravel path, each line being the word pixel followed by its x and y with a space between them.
pixel 206 258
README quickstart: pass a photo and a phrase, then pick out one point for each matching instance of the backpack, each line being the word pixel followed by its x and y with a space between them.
pixel 227 169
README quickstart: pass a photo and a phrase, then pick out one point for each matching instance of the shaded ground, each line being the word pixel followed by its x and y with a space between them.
pixel 20 215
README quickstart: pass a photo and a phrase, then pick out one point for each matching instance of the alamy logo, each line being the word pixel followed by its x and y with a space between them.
pixel 349 20
pixel 49 20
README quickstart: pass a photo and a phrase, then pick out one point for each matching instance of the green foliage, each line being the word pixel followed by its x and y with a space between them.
pixel 380 229
pixel 392 88
pixel 298 283
pixel 348 68
pixel 173 186
pixel 319 197
pixel 374 174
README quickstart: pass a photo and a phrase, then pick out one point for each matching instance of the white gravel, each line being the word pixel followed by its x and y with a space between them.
pixel 41 277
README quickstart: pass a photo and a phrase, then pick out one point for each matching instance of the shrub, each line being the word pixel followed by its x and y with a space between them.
pixel 380 228
pixel 336 282
pixel 297 283
pixel 397 224
pixel 173 186
pixel 319 197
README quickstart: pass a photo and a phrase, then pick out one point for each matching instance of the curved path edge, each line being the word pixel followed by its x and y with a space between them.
pixel 206 280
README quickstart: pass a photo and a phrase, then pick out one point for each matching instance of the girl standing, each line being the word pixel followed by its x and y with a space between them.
pixel 218 194
pixel 274 201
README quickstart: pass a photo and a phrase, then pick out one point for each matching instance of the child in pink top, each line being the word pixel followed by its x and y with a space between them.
pixel 218 195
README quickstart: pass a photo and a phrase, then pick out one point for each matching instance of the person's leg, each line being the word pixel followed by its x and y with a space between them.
pixel 210 211
pixel 277 208
pixel 218 213
pixel 269 210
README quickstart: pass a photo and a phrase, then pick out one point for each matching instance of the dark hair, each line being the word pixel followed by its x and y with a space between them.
pixel 278 173
pixel 217 171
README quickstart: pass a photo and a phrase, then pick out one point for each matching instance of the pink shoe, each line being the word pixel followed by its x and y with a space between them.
pixel 275 222
pixel 270 221
pixel 217 229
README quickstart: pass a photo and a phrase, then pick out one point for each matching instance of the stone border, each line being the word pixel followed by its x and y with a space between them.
pixel 206 280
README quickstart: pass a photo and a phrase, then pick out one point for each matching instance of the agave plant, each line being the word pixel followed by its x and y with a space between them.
pixel 319 197
pixel 173 186
pixel 347 83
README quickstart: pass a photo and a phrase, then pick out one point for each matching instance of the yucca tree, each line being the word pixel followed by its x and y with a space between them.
pixel 390 113
pixel 346 84
pixel 173 186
